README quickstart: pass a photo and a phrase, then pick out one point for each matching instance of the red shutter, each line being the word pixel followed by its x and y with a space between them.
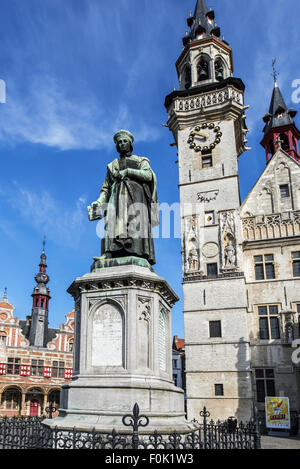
pixel 47 372
pixel 68 373
pixel 3 368
pixel 25 370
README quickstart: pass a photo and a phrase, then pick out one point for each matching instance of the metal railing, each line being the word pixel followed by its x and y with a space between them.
pixel 30 433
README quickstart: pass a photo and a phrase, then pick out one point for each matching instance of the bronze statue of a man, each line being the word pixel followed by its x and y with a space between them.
pixel 128 201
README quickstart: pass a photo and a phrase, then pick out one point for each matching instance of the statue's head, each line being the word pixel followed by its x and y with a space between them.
pixel 124 141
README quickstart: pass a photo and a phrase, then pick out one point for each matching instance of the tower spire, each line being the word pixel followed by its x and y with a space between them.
pixel 5 300
pixel 275 73
pixel 206 59
pixel 201 24
pixel 280 130
pixel 41 296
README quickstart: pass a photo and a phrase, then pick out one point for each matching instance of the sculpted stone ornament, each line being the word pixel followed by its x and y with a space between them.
pixel 229 253
pixel 128 201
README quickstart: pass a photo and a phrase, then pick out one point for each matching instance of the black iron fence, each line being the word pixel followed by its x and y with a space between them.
pixel 30 433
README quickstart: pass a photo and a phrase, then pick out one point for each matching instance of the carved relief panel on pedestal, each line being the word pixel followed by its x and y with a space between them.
pixel 144 327
pixel 164 344
pixel 107 335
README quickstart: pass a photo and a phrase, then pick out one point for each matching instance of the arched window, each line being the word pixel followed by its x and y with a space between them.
pixel 284 142
pixel 219 70
pixel 3 338
pixel 203 69
pixel 71 345
pixel 187 77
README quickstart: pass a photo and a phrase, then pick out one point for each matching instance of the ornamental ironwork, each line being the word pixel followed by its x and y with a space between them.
pixel 31 433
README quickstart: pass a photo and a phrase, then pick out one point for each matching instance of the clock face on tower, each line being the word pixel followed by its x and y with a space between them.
pixel 42 278
pixel 205 137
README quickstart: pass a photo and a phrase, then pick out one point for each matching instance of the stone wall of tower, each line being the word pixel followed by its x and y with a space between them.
pixel 207 122
pixel 213 191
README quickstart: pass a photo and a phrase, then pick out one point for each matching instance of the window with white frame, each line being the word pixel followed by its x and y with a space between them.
pixel 264 267
pixel 269 322
pixel 296 263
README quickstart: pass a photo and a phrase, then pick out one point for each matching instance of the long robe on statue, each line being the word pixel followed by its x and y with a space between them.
pixel 131 209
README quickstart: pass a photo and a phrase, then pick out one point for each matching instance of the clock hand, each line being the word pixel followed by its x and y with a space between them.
pixel 199 134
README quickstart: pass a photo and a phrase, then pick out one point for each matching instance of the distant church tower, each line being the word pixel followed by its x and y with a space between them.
pixel 38 335
pixel 207 119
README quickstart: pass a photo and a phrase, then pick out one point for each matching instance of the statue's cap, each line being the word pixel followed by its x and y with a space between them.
pixel 123 133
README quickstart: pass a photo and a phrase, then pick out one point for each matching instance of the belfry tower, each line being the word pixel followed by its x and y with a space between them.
pixel 40 307
pixel 207 119
pixel 280 129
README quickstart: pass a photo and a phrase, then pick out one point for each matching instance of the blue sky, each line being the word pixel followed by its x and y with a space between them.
pixel 78 70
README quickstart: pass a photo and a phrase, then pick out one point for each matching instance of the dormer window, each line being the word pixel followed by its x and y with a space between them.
pixel 210 17
pixel 280 113
pixel 200 32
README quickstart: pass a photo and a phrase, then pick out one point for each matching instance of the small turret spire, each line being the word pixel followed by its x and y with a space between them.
pixel 202 23
pixel 41 297
pixel 5 300
pixel 280 131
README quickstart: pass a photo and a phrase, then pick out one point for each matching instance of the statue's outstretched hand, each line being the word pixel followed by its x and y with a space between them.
pixel 94 211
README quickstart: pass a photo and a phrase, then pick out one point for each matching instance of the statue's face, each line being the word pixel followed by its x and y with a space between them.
pixel 123 145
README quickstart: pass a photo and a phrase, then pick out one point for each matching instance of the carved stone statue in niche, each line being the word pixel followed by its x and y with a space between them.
pixel 192 254
pixel 193 257
pixel 289 328
pixel 229 254
pixel 228 240
pixel 288 320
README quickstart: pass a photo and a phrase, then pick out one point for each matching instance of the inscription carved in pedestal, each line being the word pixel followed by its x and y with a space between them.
pixel 107 336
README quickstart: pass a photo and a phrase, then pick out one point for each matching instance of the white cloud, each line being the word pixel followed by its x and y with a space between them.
pixel 59 92
pixel 47 116
pixel 43 212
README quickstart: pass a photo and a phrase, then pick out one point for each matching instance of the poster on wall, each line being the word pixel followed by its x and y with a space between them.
pixel 278 413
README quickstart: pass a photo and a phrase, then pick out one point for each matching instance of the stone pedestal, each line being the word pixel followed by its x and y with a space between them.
pixel 123 352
